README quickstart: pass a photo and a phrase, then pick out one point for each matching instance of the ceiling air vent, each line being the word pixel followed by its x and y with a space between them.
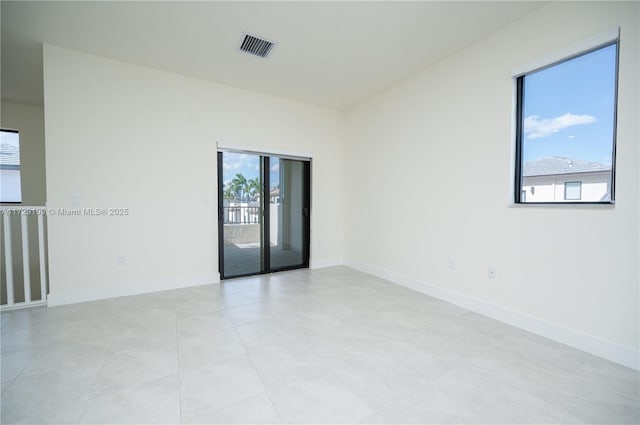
pixel 256 46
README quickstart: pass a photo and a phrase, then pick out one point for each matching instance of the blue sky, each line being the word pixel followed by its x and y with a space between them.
pixel 248 165
pixel 569 108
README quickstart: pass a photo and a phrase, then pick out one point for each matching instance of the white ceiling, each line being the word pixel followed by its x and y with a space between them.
pixel 329 53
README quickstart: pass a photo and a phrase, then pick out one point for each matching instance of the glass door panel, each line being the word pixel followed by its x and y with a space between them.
pixel 241 210
pixel 287 213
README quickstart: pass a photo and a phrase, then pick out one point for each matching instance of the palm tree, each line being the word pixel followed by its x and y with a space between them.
pixel 239 185
pixel 253 187
pixel 229 193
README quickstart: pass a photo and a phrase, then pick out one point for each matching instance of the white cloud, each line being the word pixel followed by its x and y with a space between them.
pixel 240 162
pixel 231 166
pixel 534 127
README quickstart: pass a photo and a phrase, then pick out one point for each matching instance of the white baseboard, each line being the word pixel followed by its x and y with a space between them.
pixel 23 305
pixel 326 262
pixel 617 353
pixel 73 296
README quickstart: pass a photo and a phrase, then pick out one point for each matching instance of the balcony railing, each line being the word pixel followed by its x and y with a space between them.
pixel 24 261
pixel 241 215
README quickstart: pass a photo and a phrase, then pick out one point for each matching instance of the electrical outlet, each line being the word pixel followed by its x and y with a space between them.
pixel 491 272
pixel 452 263
pixel 121 260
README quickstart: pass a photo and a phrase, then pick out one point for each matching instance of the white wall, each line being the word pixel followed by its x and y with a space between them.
pixel 29 121
pixel 120 135
pixel 440 144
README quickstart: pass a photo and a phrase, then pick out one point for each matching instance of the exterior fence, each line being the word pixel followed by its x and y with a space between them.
pixel 241 215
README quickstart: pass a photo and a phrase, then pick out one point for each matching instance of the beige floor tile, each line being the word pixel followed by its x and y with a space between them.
pixel 310 346
pixel 253 410
pixel 218 385
pixel 136 367
pixel 12 364
pixel 199 350
pixel 318 401
pixel 56 398
pixel 153 402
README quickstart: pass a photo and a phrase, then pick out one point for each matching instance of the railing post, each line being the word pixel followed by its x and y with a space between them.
pixel 9 227
pixel 26 266
pixel 8 257
pixel 241 215
pixel 43 260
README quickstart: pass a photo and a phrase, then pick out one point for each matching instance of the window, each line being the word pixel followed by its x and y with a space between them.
pixel 10 187
pixel 565 129
pixel 573 191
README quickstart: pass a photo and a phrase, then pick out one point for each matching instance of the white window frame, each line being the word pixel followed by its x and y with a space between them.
pixel 19 169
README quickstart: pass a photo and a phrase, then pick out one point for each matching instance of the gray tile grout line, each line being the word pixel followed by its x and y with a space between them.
pixel 23 369
pixel 251 361
pixel 7 387
pixel 93 391
pixel 47 372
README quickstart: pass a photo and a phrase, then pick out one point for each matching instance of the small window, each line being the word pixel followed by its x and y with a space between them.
pixel 573 191
pixel 10 186
pixel 566 125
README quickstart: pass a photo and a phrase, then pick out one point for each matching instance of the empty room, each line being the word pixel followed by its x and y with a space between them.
pixel 320 212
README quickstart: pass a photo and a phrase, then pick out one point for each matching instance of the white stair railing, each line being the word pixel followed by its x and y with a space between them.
pixel 33 295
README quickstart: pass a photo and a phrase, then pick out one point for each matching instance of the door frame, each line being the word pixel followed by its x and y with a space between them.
pixel 265 202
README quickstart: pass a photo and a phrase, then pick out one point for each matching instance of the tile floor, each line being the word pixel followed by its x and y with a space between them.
pixel 324 346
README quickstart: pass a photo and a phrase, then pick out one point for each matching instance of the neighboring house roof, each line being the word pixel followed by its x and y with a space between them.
pixel 551 165
pixel 9 156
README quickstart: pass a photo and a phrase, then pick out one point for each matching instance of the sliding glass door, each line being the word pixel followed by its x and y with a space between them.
pixel 288 213
pixel 240 213
pixel 263 213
